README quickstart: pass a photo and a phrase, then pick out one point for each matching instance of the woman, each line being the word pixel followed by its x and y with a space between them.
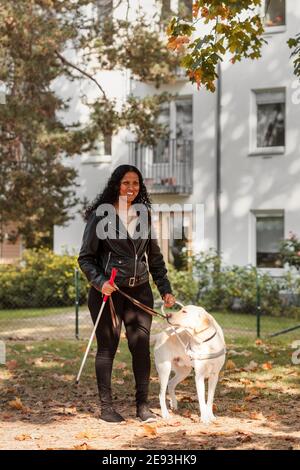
pixel 134 256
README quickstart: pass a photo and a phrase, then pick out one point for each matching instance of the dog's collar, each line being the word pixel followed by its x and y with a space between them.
pixel 211 337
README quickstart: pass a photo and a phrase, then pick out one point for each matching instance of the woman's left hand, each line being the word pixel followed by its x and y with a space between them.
pixel 169 300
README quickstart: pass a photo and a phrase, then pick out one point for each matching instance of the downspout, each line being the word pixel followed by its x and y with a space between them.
pixel 218 161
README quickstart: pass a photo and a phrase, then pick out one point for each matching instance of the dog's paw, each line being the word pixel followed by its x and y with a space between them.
pixel 207 419
pixel 166 415
pixel 173 404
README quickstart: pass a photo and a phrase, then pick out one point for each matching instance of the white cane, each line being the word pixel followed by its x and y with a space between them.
pixel 111 281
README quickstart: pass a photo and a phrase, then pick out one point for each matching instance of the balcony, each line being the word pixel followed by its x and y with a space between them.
pixel 167 168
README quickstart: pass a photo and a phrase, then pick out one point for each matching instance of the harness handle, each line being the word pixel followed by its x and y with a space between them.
pixel 162 308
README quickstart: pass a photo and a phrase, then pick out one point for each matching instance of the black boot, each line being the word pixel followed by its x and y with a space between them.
pixel 107 411
pixel 143 412
pixel 110 415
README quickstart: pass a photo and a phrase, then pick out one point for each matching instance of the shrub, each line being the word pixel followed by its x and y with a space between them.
pixel 41 279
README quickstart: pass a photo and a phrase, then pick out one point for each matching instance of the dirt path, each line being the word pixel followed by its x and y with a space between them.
pixel 69 429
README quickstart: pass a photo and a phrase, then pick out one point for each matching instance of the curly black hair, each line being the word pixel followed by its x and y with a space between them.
pixel 111 192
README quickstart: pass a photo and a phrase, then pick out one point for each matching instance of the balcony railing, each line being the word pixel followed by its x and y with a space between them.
pixel 166 167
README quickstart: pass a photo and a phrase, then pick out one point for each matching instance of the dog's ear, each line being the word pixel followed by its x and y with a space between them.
pixel 204 322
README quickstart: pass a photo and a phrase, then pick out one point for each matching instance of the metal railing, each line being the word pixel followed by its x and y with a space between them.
pixel 166 167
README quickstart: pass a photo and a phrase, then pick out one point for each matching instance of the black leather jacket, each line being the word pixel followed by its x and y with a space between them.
pixel 134 258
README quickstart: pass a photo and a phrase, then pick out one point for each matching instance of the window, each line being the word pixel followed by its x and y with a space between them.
pixel 269 128
pixel 104 9
pixel 274 13
pixel 166 11
pixel 174 233
pixel 178 116
pixel 269 233
pixel 170 8
pixel 161 150
pixel 185 9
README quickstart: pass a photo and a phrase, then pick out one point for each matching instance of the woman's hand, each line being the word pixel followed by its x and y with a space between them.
pixel 107 288
pixel 169 300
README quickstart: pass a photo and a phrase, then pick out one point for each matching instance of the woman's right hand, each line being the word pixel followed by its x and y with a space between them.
pixel 107 288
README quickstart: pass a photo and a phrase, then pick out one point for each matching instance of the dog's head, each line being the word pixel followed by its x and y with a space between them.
pixel 191 317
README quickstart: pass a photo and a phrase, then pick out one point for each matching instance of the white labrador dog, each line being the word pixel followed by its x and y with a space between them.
pixel 194 339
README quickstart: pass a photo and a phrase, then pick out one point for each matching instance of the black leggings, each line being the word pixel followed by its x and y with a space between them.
pixel 137 324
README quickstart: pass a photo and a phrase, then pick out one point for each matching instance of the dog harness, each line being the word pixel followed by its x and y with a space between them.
pixel 151 311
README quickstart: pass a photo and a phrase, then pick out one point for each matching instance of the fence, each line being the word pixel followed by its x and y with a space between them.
pixel 64 314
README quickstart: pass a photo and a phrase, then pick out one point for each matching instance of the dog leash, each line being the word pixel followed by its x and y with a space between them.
pixel 153 312
pixel 136 302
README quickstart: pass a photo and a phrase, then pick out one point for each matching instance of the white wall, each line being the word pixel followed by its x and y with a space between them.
pixel 248 182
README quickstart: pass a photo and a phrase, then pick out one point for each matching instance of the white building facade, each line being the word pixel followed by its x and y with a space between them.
pixel 258 190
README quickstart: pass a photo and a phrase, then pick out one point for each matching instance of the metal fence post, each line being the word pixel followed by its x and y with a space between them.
pixel 258 306
pixel 76 303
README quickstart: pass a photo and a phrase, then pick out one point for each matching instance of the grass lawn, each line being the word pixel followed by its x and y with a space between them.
pixel 257 400
pixel 232 323
pixel 10 314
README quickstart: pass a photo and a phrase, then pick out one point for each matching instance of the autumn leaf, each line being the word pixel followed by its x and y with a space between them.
pixel 230 365
pixel 86 435
pixel 238 409
pixel 253 394
pixel 261 385
pixel 257 416
pixel 147 431
pixel 83 446
pixel 17 405
pixel 245 381
pixel 12 364
pixel 258 342
pixel 23 437
pixel 267 366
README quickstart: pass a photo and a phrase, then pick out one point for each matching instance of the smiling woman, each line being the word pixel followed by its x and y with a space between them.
pixel 134 256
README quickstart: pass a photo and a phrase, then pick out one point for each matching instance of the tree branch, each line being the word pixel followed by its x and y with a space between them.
pixel 83 72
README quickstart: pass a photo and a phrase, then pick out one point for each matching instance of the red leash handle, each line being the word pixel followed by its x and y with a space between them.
pixel 111 281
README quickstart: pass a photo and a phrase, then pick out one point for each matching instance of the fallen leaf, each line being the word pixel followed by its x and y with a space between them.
pixel 147 431
pixel 230 365
pixel 119 382
pixel 245 381
pixel 23 437
pixel 187 399
pixel 86 435
pixel 175 424
pixel 187 413
pixel 238 409
pixel 256 415
pixel 251 396
pixel 244 438
pixel 83 446
pixel 121 365
pixel 215 408
pixel 11 365
pixel 261 385
pixel 258 342
pixel 17 404
pixel 267 366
